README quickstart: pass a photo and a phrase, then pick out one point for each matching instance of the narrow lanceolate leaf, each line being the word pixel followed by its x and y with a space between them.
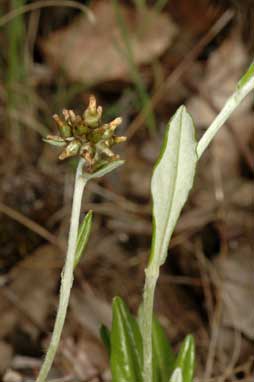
pixel 104 169
pixel 171 181
pixel 176 376
pixel 126 345
pixel 163 356
pixel 83 236
pixel 105 336
pixel 55 141
pixel 186 359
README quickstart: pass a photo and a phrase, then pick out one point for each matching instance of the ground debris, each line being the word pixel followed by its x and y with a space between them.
pixel 95 53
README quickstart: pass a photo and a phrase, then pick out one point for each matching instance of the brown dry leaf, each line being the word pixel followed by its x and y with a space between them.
pixel 89 310
pixel 224 69
pixel 188 12
pixel 232 343
pixel 25 302
pixel 243 195
pixel 173 302
pixel 94 53
pixel 237 290
pixel 85 357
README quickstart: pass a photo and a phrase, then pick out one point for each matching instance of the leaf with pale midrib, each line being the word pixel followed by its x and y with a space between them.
pixel 172 181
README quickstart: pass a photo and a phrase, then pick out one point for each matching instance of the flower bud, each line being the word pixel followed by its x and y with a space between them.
pixel 119 140
pixel 115 123
pixel 71 149
pixel 64 128
pixel 92 116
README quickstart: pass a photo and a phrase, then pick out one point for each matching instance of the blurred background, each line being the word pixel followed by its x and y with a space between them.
pixel 142 59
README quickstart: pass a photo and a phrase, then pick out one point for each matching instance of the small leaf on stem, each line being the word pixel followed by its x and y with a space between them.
pixel 83 236
pixel 104 170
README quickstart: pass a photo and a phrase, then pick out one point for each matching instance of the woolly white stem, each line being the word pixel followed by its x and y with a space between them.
pixel 67 274
pixel 147 321
pixel 232 103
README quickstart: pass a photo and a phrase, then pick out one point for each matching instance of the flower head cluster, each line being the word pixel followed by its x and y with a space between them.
pixel 86 136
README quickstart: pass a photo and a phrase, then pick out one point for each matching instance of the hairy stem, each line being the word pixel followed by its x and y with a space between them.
pixel 232 103
pixel 147 321
pixel 67 275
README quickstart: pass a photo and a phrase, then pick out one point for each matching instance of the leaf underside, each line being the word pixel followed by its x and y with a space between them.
pixel 172 181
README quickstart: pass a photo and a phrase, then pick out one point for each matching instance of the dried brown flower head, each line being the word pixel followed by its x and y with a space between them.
pixel 86 136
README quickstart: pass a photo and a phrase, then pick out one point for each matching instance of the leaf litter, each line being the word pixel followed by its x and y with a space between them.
pixel 95 53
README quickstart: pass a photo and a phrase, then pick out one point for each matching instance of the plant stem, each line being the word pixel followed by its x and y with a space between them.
pixel 232 103
pixel 152 276
pixel 67 275
pixel 245 86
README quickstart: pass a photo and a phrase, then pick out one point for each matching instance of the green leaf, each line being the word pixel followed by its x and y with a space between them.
pixel 176 376
pixel 105 336
pixel 172 181
pixel 83 236
pixel 186 359
pixel 163 356
pixel 104 169
pixel 126 358
pixel 246 77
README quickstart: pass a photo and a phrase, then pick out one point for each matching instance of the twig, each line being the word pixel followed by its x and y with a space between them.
pixel 214 339
pixel 32 225
pixel 205 279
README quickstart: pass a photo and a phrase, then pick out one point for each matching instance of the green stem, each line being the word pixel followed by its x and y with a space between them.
pixel 67 275
pixel 232 103
pixel 152 276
